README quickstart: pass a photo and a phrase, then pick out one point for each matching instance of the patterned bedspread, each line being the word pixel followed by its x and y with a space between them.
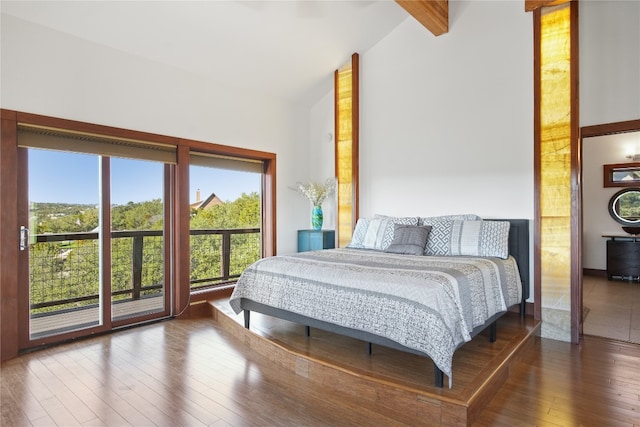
pixel 427 303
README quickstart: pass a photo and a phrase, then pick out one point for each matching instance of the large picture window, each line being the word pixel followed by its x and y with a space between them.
pixel 225 212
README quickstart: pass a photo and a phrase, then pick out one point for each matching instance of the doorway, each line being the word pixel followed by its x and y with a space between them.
pixel 611 307
pixel 94 235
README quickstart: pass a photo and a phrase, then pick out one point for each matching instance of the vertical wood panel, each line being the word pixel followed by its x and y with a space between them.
pixel 556 142
pixel 347 132
pixel 181 233
pixel 105 247
pixel 8 234
pixel 575 287
pixel 355 129
pixel 23 267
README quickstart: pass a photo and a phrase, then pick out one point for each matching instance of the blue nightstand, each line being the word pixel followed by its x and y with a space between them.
pixel 314 240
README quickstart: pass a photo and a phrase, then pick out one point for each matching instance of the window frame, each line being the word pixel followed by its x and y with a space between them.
pixel 179 236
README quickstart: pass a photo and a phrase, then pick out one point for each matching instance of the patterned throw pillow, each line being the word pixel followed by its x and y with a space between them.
pixel 389 231
pixel 476 238
pixel 481 238
pixel 429 219
pixel 377 233
pixel 368 233
pixel 409 239
pixel 358 234
pixel 439 242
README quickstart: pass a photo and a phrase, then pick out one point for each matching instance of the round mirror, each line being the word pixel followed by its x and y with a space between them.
pixel 624 206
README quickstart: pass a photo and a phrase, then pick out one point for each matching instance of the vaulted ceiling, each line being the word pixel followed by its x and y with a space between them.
pixel 287 49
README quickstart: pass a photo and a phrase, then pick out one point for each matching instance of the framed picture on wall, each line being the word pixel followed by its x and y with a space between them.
pixel 622 175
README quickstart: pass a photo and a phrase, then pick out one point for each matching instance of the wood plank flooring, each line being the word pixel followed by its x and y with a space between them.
pixel 194 373
pixel 480 367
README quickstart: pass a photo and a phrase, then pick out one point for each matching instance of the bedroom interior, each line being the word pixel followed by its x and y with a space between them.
pixel 402 112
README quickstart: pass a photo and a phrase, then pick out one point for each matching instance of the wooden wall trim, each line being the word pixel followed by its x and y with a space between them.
pixel 610 128
pixel 355 136
pixel 9 235
pixel 576 194
pixel 182 242
pixel 537 270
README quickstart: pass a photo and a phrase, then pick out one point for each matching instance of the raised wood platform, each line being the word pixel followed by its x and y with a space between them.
pixel 399 381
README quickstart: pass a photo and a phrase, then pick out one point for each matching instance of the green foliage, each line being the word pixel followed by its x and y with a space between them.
pixel 206 250
pixel 244 212
pixel 70 269
pixel 629 205
pixel 137 216
pixel 62 218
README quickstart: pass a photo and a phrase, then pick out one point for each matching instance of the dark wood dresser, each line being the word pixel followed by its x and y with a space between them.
pixel 623 257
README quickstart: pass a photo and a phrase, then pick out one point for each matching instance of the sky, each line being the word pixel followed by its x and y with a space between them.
pixel 63 177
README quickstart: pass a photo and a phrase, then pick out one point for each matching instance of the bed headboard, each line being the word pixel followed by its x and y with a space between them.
pixel 519 249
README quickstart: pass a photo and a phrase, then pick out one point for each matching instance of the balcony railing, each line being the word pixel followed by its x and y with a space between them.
pixel 64 268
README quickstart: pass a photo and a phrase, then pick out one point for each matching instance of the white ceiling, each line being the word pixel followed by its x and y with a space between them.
pixel 283 48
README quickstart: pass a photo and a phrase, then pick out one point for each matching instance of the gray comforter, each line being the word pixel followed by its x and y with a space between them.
pixel 427 303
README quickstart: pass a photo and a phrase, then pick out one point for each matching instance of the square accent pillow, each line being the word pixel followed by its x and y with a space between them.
pixel 439 241
pixel 387 238
pixel 409 239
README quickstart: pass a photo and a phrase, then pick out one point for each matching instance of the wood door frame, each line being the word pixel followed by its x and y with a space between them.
pixel 588 132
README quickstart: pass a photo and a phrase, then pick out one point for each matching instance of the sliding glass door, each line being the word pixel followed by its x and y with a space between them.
pixel 138 212
pixel 96 234
pixel 62 237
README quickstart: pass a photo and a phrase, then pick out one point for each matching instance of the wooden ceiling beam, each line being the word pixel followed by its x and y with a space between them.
pixel 433 14
pixel 530 5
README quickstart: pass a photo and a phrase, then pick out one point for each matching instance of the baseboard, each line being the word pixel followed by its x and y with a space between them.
pixel 594 272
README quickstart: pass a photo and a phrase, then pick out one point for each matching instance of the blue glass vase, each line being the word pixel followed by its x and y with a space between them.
pixel 316 218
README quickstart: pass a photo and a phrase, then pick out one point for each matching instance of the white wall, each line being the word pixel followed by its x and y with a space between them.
pixel 322 153
pixel 51 73
pixel 609 61
pixel 597 221
pixel 446 122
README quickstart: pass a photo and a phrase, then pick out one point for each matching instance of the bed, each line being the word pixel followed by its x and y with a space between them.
pixel 426 305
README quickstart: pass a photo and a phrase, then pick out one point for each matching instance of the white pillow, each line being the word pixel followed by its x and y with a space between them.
pixel 475 238
pixel 377 233
pixel 427 220
pixel 369 233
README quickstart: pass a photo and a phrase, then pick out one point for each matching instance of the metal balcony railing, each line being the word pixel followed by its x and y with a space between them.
pixel 65 275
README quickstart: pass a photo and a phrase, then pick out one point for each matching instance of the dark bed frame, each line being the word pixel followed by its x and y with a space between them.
pixel 518 248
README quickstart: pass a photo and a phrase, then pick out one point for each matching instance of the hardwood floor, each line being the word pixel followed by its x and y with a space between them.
pixel 387 375
pixel 596 383
pixel 193 372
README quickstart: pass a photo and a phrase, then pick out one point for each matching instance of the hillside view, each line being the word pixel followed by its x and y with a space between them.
pixel 62 270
